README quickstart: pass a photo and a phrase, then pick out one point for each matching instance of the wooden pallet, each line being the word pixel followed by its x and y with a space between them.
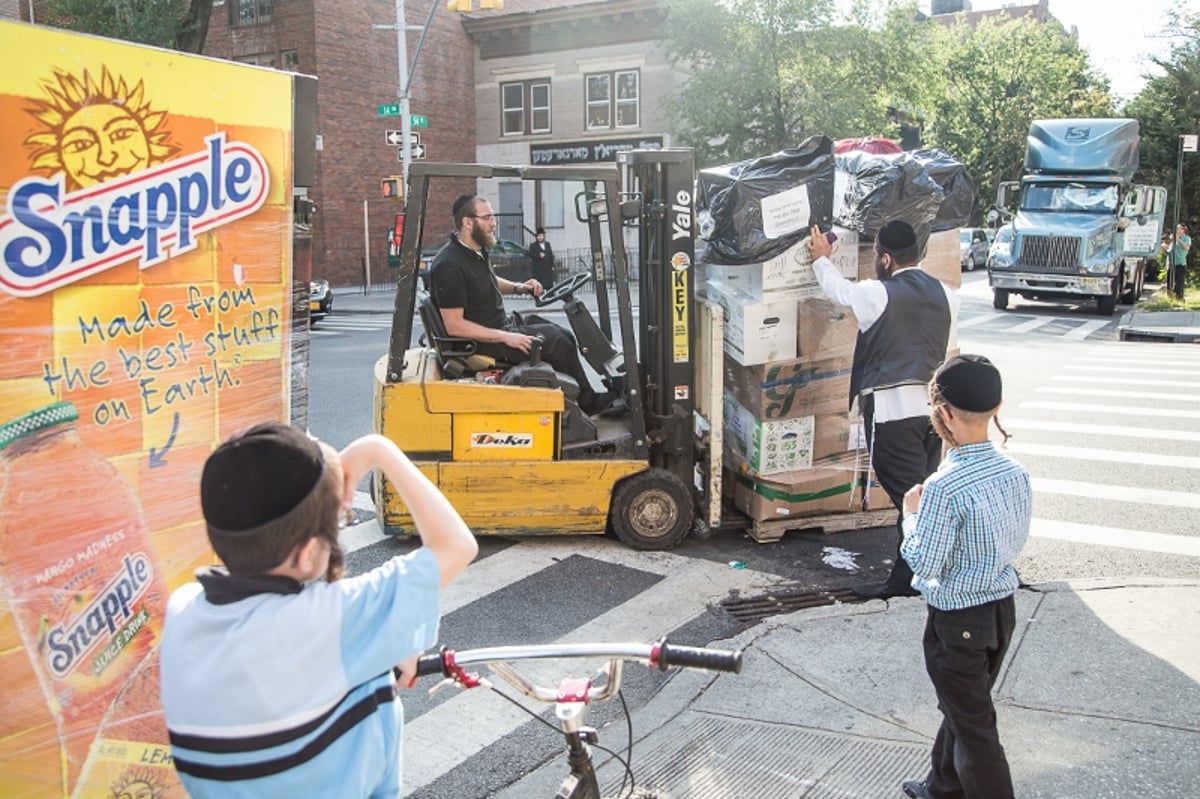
pixel 768 532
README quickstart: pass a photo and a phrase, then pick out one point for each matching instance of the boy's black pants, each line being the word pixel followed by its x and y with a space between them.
pixel 963 652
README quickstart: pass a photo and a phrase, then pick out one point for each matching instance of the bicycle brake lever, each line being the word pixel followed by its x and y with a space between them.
pixel 476 682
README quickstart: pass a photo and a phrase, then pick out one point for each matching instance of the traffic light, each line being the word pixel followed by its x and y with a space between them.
pixel 392 188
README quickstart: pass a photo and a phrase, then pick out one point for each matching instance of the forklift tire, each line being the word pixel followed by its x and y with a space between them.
pixel 651 510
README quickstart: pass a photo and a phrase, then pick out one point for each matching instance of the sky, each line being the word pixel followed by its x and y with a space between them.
pixel 1116 34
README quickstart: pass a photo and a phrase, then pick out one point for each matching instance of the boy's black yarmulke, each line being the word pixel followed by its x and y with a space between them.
pixel 969 383
pixel 258 475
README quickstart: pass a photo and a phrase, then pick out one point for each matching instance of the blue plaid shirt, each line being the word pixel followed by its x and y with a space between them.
pixel 971 524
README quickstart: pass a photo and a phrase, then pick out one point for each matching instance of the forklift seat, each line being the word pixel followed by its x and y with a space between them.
pixel 456 356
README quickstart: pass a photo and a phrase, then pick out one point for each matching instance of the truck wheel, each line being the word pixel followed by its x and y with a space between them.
pixel 1107 304
pixel 999 299
pixel 651 510
pixel 1135 287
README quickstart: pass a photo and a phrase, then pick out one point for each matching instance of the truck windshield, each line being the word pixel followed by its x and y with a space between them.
pixel 1072 197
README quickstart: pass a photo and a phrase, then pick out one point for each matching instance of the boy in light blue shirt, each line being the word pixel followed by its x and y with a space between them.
pixel 277 676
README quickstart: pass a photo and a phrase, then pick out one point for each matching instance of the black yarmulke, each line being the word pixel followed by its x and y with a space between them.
pixel 258 475
pixel 895 236
pixel 969 383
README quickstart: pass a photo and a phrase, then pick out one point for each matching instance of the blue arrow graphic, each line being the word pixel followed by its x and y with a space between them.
pixel 158 457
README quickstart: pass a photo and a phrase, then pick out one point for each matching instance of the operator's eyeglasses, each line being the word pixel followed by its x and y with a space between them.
pixel 484 217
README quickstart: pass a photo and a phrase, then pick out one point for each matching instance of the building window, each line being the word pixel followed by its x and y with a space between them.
pixel 609 108
pixel 290 60
pixel 249 12
pixel 258 59
pixel 525 107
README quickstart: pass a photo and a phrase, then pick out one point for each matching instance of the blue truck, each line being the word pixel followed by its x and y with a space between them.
pixel 1082 230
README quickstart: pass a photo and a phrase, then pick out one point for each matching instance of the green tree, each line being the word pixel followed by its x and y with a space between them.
pixel 1168 107
pixel 998 77
pixel 175 24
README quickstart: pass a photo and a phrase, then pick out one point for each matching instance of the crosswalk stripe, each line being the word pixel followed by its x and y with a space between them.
pixel 974 321
pixel 1107 380
pixel 1032 324
pixel 1145 496
pixel 1086 329
pixel 1116 537
pixel 1125 370
pixel 1101 430
pixel 1116 410
pixel 1105 455
pixel 1102 392
pixel 676 600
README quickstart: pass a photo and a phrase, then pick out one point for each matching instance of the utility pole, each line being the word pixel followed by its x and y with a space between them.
pixel 404 82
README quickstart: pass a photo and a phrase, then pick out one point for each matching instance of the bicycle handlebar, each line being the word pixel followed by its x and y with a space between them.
pixel 661 655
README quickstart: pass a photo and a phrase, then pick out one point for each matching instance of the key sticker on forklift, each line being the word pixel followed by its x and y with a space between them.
pixel 511 440
pixel 679 306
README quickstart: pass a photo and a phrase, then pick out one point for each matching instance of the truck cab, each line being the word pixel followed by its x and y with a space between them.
pixel 1081 228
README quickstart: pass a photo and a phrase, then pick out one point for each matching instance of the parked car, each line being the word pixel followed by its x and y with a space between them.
pixel 973 243
pixel 320 299
pixel 1001 244
pixel 509 260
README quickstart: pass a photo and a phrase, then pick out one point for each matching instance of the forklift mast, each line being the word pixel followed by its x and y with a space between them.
pixel 663 182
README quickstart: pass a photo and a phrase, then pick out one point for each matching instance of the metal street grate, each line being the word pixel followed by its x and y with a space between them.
pixel 784 601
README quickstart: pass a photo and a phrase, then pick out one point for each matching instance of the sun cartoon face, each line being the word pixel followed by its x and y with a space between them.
pixel 96 130
pixel 138 784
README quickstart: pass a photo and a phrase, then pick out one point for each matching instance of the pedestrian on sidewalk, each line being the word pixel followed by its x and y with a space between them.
pixel 541 259
pixel 1179 256
pixel 963 528
pixel 904 323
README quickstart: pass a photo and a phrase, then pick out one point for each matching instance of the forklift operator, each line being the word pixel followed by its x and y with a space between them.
pixel 469 296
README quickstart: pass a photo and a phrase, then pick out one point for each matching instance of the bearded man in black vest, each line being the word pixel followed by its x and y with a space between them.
pixel 904 323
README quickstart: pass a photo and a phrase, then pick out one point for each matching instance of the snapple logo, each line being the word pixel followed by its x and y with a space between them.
pixel 105 618
pixel 50 239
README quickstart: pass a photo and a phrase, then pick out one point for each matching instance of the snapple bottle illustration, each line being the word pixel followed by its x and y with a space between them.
pixel 79 573
pixel 131 755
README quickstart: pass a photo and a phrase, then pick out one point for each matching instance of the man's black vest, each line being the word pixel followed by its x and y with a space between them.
pixel 908 342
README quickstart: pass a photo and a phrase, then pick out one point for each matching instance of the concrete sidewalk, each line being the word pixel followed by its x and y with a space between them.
pixel 1098 698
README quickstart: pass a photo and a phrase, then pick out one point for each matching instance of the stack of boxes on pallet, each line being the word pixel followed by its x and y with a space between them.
pixel 793 448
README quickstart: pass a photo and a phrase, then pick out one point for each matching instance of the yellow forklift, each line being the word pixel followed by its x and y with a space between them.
pixel 516 456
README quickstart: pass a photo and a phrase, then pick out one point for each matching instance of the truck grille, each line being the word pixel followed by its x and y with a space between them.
pixel 1060 253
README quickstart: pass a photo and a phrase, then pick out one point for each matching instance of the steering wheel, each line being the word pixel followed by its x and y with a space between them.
pixel 563 289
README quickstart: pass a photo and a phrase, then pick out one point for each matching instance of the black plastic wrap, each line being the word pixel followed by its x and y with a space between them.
pixel 729 201
pixel 875 189
pixel 957 188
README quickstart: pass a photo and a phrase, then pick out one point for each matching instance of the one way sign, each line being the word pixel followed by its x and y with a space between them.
pixel 396 137
pixel 418 152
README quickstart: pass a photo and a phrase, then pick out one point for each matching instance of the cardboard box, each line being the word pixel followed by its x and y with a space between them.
pixel 788 275
pixel 830 486
pixel 943 258
pixel 790 388
pixel 824 330
pixel 782 446
pixel 755 331
pixel 767 447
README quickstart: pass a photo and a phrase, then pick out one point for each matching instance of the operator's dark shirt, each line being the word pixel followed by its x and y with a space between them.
pixel 463 278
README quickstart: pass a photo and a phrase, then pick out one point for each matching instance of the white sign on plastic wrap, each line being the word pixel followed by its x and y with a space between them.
pixel 785 212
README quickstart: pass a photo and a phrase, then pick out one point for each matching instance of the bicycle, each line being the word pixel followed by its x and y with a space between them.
pixel 574 695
